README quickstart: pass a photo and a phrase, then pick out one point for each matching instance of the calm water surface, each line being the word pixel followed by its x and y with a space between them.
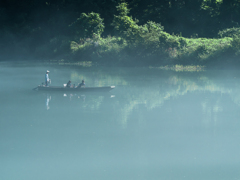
pixel 154 125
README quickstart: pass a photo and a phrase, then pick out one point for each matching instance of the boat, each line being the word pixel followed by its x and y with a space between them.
pixel 73 89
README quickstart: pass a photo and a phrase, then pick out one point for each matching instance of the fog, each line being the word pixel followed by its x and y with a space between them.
pixel 155 124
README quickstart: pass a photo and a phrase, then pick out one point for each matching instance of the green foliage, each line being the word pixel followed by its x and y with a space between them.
pixel 104 50
pixel 124 25
pixel 150 31
pixel 202 49
pixel 236 44
pixel 134 41
pixel 212 7
pixel 135 34
pixel 230 32
pixel 139 42
pixel 88 25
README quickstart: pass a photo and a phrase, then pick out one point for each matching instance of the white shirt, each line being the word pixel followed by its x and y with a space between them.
pixel 46 77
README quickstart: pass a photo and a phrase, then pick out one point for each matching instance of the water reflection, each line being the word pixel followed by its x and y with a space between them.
pixel 131 94
pixel 48 99
pixel 153 125
pixel 86 101
pixel 174 87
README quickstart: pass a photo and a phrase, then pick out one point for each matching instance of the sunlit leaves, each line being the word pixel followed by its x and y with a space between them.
pixel 88 25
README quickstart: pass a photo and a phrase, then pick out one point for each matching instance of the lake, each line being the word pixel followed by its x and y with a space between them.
pixel 156 124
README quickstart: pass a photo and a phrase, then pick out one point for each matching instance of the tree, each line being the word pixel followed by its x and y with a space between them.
pixel 123 24
pixel 88 25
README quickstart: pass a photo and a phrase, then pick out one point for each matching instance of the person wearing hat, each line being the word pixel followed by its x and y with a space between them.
pixel 47 80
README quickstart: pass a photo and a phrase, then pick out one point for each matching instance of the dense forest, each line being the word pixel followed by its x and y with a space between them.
pixel 121 32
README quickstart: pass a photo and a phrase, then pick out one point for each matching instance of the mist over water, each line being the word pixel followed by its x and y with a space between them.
pixel 155 124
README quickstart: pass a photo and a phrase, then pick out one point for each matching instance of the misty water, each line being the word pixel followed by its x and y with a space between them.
pixel 156 124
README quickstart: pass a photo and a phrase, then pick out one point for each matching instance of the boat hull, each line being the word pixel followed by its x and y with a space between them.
pixel 82 89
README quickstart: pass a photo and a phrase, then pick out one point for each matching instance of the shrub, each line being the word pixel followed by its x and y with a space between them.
pixel 236 44
pixel 229 32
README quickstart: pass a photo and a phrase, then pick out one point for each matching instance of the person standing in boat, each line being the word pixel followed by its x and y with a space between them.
pixel 47 80
pixel 82 84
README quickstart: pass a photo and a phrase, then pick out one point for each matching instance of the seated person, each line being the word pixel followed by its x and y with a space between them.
pixel 82 84
pixel 69 84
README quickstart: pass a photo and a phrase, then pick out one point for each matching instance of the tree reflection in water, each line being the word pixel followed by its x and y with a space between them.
pixel 151 89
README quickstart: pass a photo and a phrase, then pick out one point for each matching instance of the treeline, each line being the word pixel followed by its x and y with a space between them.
pixel 101 30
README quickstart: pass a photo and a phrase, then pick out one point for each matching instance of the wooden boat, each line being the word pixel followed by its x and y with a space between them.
pixel 73 89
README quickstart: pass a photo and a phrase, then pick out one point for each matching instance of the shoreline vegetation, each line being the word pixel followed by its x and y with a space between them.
pixel 84 42
pixel 181 68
